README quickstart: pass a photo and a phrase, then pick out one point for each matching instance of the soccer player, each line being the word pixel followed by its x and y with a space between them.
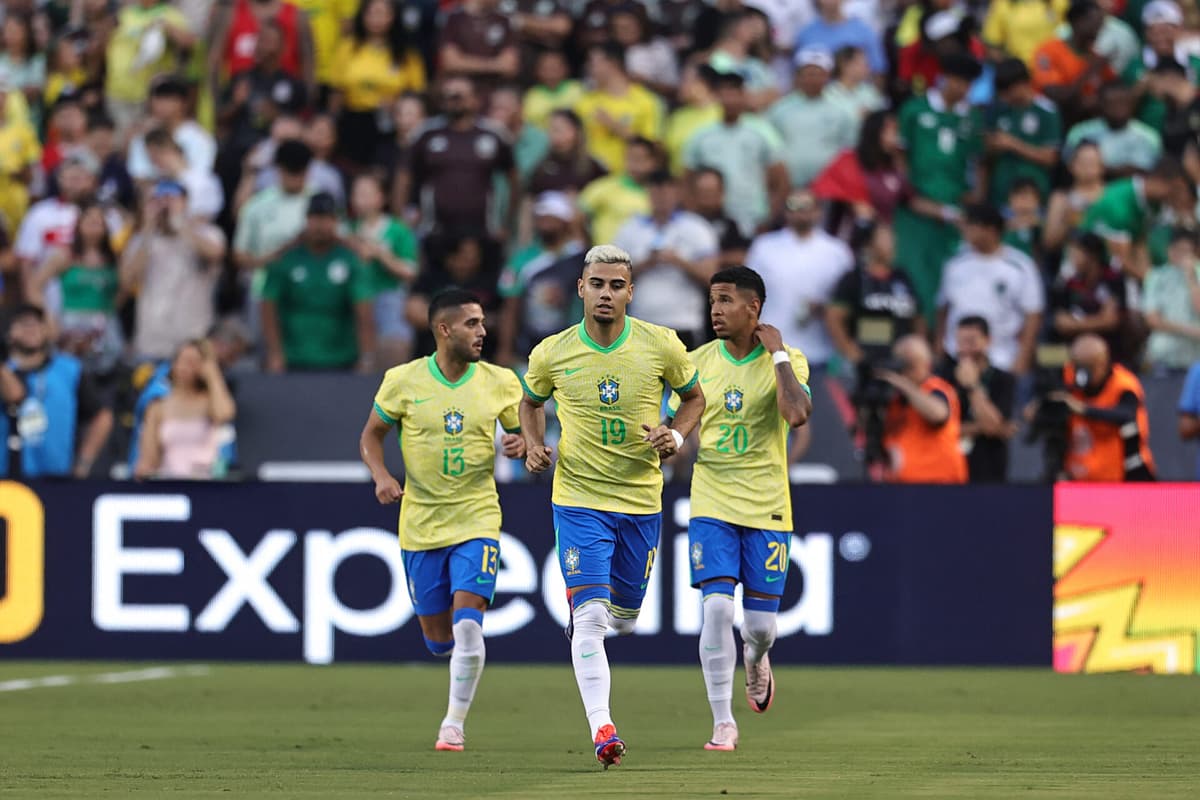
pixel 606 375
pixel 741 502
pixel 446 406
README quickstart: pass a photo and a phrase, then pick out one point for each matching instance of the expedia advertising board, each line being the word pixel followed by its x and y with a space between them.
pixel 878 575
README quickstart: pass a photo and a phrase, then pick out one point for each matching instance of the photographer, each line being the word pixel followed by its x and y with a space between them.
pixel 985 395
pixel 1109 428
pixel 923 422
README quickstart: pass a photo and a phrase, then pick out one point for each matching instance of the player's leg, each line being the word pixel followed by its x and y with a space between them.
pixel 714 549
pixel 585 547
pixel 764 573
pixel 428 573
pixel 635 551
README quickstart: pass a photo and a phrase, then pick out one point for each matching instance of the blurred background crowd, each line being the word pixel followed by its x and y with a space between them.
pixel 198 189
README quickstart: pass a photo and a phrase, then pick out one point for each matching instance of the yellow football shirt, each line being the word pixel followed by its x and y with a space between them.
pixel 741 475
pixel 609 201
pixel 604 395
pixel 447 437
pixel 19 148
pixel 326 19
pixel 368 78
pixel 638 109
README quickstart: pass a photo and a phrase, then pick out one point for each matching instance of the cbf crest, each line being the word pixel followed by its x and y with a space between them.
pixel 453 421
pixel 571 560
pixel 734 399
pixel 697 555
pixel 610 390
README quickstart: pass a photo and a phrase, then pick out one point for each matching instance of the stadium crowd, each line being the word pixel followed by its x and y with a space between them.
pixel 193 188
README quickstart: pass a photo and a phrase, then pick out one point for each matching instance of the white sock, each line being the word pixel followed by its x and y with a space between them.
pixel 591 663
pixel 758 632
pixel 466 665
pixel 718 655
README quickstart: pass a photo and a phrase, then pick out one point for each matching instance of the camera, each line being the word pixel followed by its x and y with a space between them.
pixel 1051 419
pixel 873 395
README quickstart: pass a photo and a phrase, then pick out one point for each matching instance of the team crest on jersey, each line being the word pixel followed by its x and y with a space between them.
pixel 610 390
pixel 571 560
pixel 733 399
pixel 453 421
pixel 697 555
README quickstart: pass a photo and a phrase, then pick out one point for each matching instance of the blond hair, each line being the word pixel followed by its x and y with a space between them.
pixel 607 254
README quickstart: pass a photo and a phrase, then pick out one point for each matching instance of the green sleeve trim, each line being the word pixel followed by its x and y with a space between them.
pixel 807 390
pixel 687 387
pixel 532 394
pixel 511 430
pixel 383 415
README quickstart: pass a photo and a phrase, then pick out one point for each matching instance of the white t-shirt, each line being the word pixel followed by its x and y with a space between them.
pixel 1003 288
pixel 199 150
pixel 665 295
pixel 800 275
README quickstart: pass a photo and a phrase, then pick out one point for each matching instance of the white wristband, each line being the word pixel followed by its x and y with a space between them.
pixel 678 437
pixel 781 357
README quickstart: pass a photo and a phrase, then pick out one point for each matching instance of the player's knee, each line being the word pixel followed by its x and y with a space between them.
pixel 440 649
pixel 758 626
pixel 622 622
pixel 468 628
pixel 591 619
pixel 718 608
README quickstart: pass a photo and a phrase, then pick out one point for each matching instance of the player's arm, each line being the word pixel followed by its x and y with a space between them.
pixel 533 428
pixel 795 405
pixel 370 448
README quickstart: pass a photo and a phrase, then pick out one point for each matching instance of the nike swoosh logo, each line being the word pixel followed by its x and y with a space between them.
pixel 464 678
pixel 775 578
pixel 708 380
pixel 571 371
pixel 643 586
pixel 418 402
pixel 481 579
pixel 588 655
pixel 708 649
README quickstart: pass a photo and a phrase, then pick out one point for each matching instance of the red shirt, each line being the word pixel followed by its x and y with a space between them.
pixel 242 38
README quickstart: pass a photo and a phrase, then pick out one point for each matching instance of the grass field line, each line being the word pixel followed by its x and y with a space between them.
pixel 127 676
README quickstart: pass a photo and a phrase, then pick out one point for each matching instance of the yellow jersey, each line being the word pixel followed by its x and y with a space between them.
pixel 19 149
pixel 639 109
pixel 603 397
pixel 327 19
pixel 741 475
pixel 368 78
pixel 447 437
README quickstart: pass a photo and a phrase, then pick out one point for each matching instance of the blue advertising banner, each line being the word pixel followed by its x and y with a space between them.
pixel 879 575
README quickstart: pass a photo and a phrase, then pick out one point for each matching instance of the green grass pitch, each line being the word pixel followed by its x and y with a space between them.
pixel 295 731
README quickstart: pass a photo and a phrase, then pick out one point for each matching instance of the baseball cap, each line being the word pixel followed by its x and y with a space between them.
pixel 815 57
pixel 554 204
pixel 322 204
pixel 942 24
pixel 1162 12
pixel 169 188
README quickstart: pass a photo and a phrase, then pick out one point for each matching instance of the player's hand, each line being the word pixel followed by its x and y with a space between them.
pixel 660 439
pixel 537 459
pixel 387 490
pixel 769 336
pixel 513 445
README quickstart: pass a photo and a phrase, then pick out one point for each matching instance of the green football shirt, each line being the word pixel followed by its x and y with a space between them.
pixel 942 143
pixel 1037 124
pixel 1122 213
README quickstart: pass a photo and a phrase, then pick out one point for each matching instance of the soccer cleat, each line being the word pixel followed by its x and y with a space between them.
pixel 609 748
pixel 760 683
pixel 450 738
pixel 725 737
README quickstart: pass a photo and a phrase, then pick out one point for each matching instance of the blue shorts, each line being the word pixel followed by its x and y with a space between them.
pixel 435 575
pixel 604 548
pixel 756 558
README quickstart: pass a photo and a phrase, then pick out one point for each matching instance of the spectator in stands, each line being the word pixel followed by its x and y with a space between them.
pixel 150 39
pixel 1069 71
pixel 611 200
pixel 530 144
pixel 698 108
pixel 316 309
pixel 616 109
pixel 814 127
pixel 923 422
pixel 87 270
pixel 1109 429
pixel 478 41
pixel 1172 306
pixel 114 186
pixel 674 254
pixel 408 114
pixel 1165 37
pixel 985 396
pixel 851 86
pixel 801 266
pixel 1127 146
pixel 554 90
pixel 593 23
pixel 171 264
pixel 1024 132
pixel 554 216
pixel 873 305
pixel 20 58
pixel 465 259
pixel 649 59
pixel 541 27
pixel 707 195
pixel 867 183
pixel 1180 127
pixel 748 154
pixel 329 23
pixel 1189 409
pixel 182 435
pixel 733 53
pixel 167 159
pixel 832 30
pixel 235 31
pixel 20 152
pixel 1023 229
pixel 323 173
pixel 66 131
pixel 1018 27
pixel 1091 297
pixel 453 162
pixel 944 34
pixel 374 66
pixel 388 249
pixel 1069 205
pixel 999 283
pixel 567 166
pixel 943 138
pixel 168 110
pixel 55 423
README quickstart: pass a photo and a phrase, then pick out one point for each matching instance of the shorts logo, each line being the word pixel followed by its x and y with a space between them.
pixel 453 419
pixel 571 560
pixel 733 399
pixel 610 390
pixel 697 556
